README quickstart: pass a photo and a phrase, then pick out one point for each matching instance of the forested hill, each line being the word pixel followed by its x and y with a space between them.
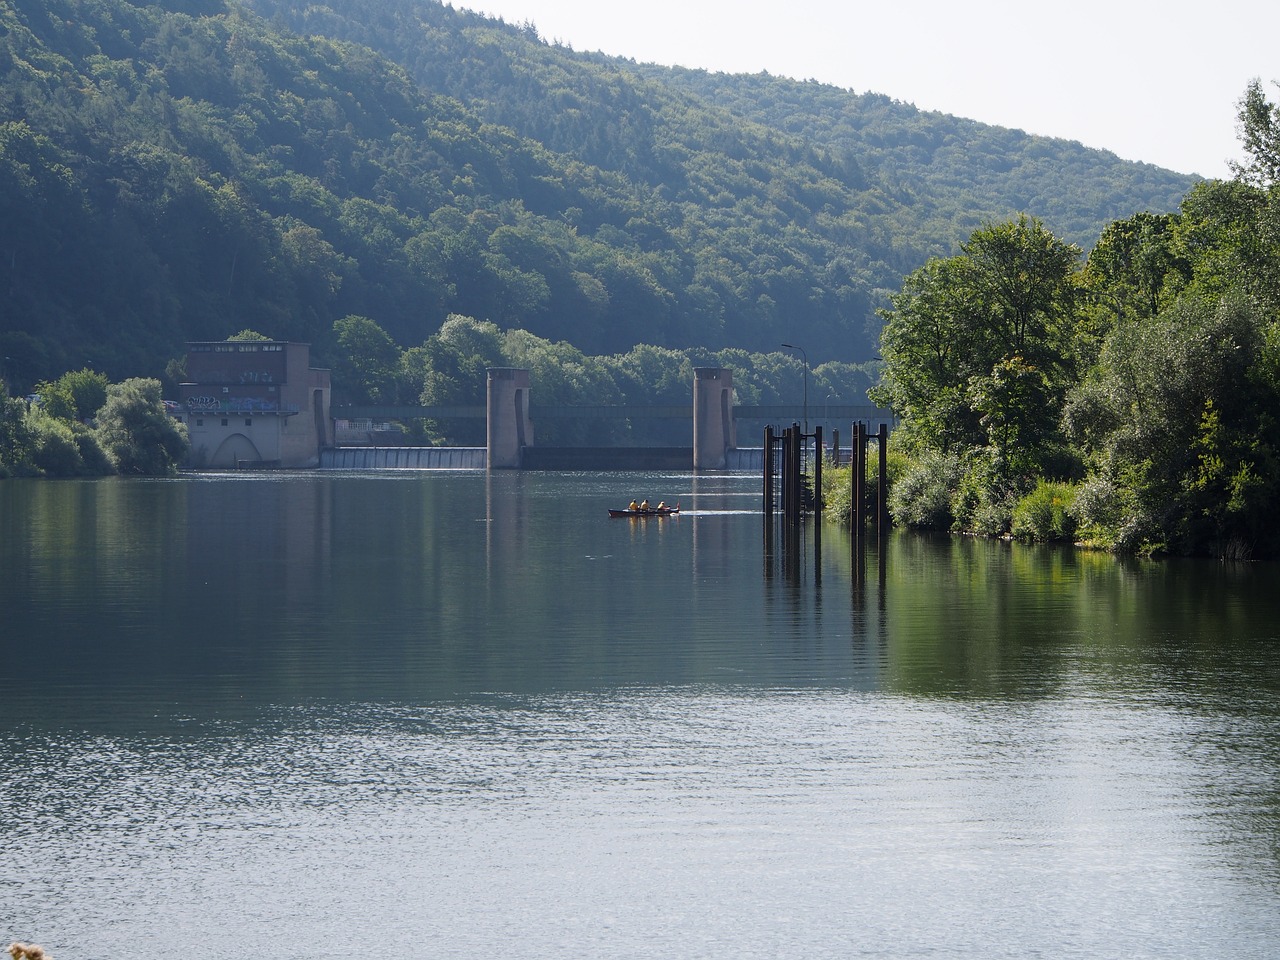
pixel 189 169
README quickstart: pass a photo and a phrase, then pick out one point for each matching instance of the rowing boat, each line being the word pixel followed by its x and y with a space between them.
pixel 651 512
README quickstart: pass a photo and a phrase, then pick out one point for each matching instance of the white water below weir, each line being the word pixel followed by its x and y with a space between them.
pixel 403 458
pixel 745 460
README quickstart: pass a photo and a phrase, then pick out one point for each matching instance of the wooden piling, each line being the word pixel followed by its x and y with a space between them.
pixel 882 485
pixel 768 473
pixel 858 464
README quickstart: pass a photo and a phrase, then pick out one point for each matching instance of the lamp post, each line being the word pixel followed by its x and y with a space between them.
pixel 792 346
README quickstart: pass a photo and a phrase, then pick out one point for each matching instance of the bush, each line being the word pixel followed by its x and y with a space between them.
pixel 15 436
pixel 1108 516
pixel 54 450
pixel 137 433
pixel 837 483
pixel 922 495
pixel 1044 515
pixel 985 497
pixel 64 449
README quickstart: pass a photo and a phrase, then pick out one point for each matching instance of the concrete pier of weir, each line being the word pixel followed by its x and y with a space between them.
pixel 510 429
pixel 713 431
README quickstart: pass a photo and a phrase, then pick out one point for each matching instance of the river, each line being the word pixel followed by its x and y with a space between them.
pixel 452 714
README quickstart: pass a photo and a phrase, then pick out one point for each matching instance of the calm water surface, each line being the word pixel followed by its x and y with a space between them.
pixel 458 715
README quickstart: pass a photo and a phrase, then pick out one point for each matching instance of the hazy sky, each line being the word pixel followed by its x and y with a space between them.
pixel 1151 81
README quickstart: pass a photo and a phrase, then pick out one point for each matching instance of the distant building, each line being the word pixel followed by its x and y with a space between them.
pixel 255 403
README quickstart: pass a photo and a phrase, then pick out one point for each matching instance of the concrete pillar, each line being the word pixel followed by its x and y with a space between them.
pixel 713 430
pixel 510 429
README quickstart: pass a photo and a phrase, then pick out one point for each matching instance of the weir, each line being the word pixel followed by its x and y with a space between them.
pixel 403 458
pixel 510 415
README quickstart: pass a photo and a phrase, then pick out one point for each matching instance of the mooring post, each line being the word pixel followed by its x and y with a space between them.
pixel 882 484
pixel 789 488
pixel 835 447
pixel 797 474
pixel 768 473
pixel 858 464
pixel 768 502
pixel 817 472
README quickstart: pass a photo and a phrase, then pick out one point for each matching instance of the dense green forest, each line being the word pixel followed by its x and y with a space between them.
pixel 181 171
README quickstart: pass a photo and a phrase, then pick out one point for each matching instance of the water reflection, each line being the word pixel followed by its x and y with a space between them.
pixel 303 700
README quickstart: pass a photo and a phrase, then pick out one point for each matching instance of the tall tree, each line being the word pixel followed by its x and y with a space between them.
pixel 368 367
pixel 970 335
pixel 1259 132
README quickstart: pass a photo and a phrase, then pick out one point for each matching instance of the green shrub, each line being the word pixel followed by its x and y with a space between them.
pixel 981 503
pixel 1044 515
pixel 15 436
pixel 64 449
pixel 921 496
pixel 54 450
pixel 837 482
pixel 1109 516
pixel 136 432
pixel 837 493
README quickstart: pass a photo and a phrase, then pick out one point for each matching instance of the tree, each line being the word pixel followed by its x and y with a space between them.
pixel 1006 302
pixel 927 357
pixel 75 396
pixel 1259 132
pixel 368 367
pixel 1020 277
pixel 137 433
pixel 1228 232
pixel 1010 402
pixel 1178 423
pixel 15 437
pixel 1134 266
pixel 449 370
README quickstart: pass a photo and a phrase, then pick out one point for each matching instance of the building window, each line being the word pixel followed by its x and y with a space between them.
pixel 199 423
pixel 248 422
pixel 224 423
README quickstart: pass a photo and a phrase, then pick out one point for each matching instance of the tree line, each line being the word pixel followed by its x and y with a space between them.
pixel 1127 398
pixel 82 425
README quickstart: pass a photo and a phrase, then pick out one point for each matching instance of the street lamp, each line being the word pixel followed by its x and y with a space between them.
pixel 792 346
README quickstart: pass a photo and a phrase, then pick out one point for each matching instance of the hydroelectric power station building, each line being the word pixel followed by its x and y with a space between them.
pixel 255 403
